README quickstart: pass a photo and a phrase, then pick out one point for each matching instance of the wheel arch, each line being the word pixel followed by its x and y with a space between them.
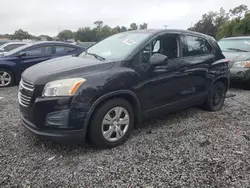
pixel 224 80
pixel 124 94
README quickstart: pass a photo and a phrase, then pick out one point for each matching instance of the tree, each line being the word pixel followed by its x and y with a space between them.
pixel 116 29
pixel 143 26
pixel 98 24
pixel 123 29
pixel 65 35
pixel 85 34
pixel 20 35
pixel 133 26
pixel 211 22
pixel 239 11
pixel 238 24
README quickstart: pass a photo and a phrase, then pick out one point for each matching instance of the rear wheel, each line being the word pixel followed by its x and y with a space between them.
pixel 216 97
pixel 6 78
pixel 111 124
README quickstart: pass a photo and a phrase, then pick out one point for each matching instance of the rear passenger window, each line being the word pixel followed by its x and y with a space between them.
pixel 64 49
pixel 196 46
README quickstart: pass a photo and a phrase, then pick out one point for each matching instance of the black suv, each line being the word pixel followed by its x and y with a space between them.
pixel 107 90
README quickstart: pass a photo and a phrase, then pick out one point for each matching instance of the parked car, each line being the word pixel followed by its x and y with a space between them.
pixel 11 46
pixel 13 63
pixel 107 90
pixel 237 50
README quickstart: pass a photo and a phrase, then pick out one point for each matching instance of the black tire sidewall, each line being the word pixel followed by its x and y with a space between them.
pixel 95 130
pixel 209 103
pixel 11 75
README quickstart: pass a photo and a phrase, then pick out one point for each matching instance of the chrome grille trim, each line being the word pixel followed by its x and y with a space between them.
pixel 27 85
pixel 24 99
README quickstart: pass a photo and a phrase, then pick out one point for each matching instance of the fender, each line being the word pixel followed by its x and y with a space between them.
pixel 106 96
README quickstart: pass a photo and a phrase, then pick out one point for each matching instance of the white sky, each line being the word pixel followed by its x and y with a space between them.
pixel 47 16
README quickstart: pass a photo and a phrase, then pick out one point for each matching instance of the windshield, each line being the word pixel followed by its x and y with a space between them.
pixel 17 49
pixel 117 46
pixel 236 45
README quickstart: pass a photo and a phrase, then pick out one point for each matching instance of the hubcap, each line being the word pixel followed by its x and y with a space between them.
pixel 115 124
pixel 5 78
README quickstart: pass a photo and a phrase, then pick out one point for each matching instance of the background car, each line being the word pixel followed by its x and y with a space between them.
pixel 11 46
pixel 13 63
pixel 237 50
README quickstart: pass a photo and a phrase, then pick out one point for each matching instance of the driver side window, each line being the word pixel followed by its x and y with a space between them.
pixel 167 45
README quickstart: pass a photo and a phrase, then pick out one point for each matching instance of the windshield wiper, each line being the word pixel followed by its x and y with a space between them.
pixel 96 56
pixel 237 49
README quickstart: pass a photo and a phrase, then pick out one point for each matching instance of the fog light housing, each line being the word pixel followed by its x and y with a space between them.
pixel 58 119
pixel 240 74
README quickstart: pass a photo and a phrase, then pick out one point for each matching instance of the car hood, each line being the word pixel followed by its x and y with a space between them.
pixel 237 56
pixel 64 67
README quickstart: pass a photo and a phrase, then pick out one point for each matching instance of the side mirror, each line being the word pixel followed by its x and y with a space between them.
pixel 158 59
pixel 21 54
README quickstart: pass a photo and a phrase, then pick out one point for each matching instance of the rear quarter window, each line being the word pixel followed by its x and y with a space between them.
pixel 196 46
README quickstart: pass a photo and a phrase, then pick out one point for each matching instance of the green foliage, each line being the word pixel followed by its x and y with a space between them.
pixel 220 24
pixel 133 26
pixel 102 31
pixel 20 35
pixel 65 35
pixel 211 22
pixel 239 23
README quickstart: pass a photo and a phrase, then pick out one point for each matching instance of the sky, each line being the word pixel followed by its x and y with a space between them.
pixel 50 16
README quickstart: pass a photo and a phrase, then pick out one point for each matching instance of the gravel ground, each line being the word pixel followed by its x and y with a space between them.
pixel 190 148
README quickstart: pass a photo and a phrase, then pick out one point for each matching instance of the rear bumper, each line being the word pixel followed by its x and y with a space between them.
pixel 240 74
pixel 54 135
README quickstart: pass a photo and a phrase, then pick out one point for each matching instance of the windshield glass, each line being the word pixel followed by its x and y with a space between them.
pixel 17 49
pixel 236 45
pixel 117 46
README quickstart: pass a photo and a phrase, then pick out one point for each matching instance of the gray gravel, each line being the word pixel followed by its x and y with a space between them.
pixel 190 148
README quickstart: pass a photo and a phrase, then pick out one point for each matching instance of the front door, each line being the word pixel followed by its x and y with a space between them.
pixel 163 85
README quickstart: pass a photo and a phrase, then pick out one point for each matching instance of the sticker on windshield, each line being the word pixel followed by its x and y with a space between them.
pixel 247 42
pixel 129 42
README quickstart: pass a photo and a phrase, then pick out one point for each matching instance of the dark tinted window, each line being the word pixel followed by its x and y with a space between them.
pixel 44 50
pixel 12 47
pixel 64 49
pixel 196 46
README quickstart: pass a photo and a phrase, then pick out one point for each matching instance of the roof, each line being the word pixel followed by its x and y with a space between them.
pixel 158 31
pixel 50 42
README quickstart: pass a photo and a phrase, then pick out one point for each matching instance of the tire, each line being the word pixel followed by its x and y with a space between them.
pixel 98 127
pixel 4 75
pixel 247 85
pixel 215 100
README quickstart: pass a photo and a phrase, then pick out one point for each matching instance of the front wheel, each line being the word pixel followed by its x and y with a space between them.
pixel 111 124
pixel 6 78
pixel 216 97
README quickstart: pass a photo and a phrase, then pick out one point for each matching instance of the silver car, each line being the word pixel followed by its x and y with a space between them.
pixel 237 50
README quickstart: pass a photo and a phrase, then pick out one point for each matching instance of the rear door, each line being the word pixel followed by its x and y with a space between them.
pixel 198 53
pixel 64 50
pixel 35 55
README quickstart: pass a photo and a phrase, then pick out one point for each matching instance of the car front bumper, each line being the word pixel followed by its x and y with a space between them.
pixel 57 119
pixel 240 74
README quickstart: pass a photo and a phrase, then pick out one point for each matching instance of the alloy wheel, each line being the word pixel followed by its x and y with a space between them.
pixel 5 78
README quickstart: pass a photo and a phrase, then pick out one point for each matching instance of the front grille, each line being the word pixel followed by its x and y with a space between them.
pixel 25 93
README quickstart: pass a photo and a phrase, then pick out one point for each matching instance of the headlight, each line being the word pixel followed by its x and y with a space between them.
pixel 242 64
pixel 65 87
